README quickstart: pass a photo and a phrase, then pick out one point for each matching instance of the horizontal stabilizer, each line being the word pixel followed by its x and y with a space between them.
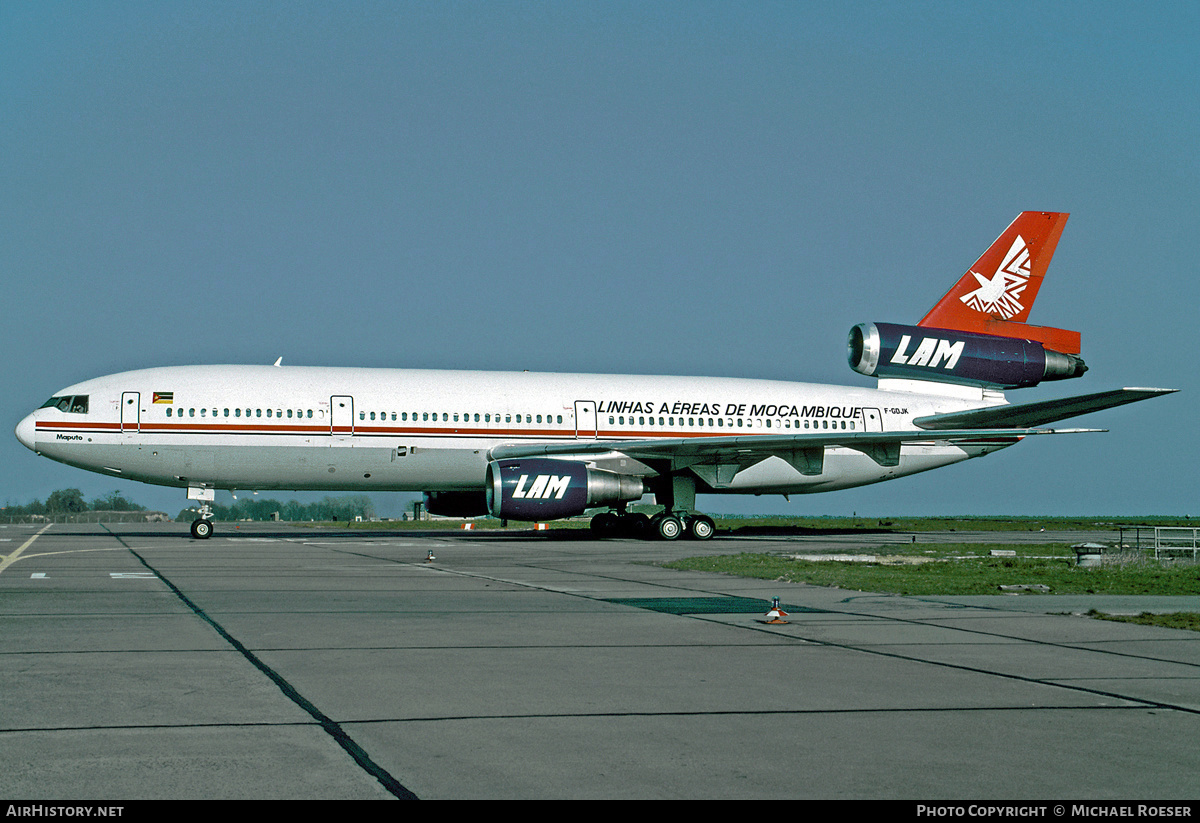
pixel 1036 414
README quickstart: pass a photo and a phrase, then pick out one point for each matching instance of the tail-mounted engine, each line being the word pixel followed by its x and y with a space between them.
pixel 544 489
pixel 966 358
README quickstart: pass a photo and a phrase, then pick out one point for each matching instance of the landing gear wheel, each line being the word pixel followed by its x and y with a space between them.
pixel 702 527
pixel 636 524
pixel 669 527
pixel 202 529
pixel 605 524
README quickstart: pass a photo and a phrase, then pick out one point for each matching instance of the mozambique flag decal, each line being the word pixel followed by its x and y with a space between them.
pixel 164 397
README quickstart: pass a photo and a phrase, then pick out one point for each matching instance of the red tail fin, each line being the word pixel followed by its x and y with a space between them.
pixel 995 295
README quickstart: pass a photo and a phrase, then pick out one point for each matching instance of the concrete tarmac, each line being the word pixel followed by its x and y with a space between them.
pixel 281 662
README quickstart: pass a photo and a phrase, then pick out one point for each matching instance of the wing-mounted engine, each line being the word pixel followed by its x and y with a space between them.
pixel 948 356
pixel 544 489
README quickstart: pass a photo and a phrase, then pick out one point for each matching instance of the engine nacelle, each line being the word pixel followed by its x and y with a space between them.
pixel 544 489
pixel 918 353
pixel 456 504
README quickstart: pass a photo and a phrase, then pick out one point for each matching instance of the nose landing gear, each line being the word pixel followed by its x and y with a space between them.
pixel 202 527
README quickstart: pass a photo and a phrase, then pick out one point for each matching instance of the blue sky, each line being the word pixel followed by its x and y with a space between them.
pixel 698 188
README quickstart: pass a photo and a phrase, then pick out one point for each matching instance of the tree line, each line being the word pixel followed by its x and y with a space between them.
pixel 71 501
pixel 327 509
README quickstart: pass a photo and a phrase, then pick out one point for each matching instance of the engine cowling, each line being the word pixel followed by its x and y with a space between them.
pixel 545 489
pixel 945 356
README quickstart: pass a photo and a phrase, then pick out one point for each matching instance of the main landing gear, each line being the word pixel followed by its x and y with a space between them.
pixel 665 525
pixel 677 494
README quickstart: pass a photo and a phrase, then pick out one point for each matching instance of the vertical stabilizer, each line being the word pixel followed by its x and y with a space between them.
pixel 995 295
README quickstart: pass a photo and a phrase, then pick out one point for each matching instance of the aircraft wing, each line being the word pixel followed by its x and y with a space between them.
pixel 718 459
pixel 1037 414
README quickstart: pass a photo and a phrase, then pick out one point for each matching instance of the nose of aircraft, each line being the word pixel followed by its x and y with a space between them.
pixel 24 432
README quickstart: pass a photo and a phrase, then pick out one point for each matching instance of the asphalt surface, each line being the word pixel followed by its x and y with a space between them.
pixel 279 662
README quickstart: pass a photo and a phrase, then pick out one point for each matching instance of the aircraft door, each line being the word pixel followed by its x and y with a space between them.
pixel 585 419
pixel 341 416
pixel 131 412
pixel 872 420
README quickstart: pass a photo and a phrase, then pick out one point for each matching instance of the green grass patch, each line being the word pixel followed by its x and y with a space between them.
pixel 981 575
pixel 1172 620
pixel 752 525
pixel 781 525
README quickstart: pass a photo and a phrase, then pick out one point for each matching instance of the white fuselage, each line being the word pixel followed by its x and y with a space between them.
pixel 270 427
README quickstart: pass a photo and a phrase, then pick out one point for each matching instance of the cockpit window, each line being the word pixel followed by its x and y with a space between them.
pixel 71 403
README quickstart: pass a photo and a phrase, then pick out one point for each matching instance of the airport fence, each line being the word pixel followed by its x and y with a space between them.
pixel 1176 542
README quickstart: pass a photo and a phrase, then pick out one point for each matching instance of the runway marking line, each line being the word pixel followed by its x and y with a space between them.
pixel 7 561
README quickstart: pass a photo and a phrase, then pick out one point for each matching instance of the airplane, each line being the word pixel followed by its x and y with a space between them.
pixel 537 447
